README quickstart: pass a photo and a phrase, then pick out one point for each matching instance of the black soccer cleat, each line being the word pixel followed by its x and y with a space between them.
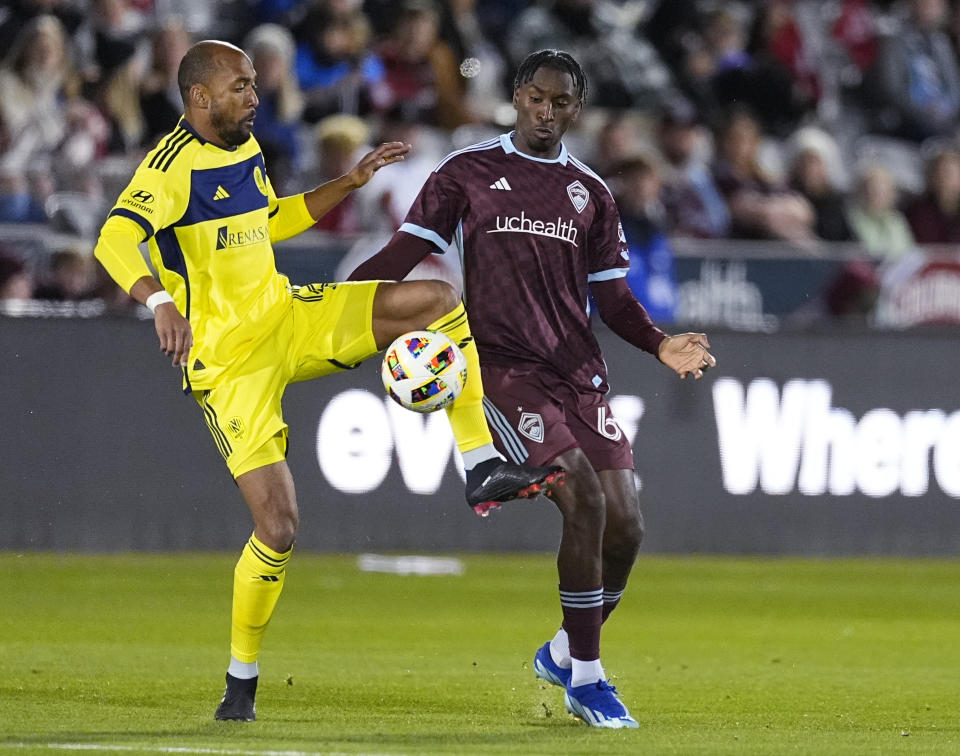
pixel 504 481
pixel 237 704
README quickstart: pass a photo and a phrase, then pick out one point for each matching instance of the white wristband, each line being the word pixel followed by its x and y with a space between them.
pixel 158 298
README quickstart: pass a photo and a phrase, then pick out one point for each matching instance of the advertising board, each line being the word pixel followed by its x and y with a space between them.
pixel 808 443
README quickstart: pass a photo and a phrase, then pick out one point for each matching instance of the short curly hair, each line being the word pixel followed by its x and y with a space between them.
pixel 558 60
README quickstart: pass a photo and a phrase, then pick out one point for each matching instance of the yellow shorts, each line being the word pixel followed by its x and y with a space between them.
pixel 327 328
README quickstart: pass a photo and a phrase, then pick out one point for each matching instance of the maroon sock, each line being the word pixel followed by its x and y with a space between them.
pixel 610 601
pixel 582 619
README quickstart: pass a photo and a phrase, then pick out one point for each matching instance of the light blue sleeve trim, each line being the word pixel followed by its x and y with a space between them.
pixel 458 242
pixel 607 275
pixel 426 234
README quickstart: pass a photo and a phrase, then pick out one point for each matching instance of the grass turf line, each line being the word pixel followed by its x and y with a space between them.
pixel 712 655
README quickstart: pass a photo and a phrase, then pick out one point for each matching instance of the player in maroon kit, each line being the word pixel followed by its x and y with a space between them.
pixel 537 231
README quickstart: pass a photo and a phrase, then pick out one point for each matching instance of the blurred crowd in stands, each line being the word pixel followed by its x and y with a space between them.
pixel 795 121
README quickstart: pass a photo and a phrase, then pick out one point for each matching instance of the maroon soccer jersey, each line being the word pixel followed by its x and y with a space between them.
pixel 532 233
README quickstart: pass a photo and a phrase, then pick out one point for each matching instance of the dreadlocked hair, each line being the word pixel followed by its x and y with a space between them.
pixel 558 60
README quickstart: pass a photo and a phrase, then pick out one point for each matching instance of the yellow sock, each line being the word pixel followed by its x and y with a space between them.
pixel 466 414
pixel 257 582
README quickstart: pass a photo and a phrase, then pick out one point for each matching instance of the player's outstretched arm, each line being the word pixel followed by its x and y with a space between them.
pixel 395 261
pixel 683 353
pixel 325 197
pixel 686 354
pixel 625 316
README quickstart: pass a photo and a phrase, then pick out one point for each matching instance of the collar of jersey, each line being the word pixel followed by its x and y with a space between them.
pixel 185 125
pixel 506 141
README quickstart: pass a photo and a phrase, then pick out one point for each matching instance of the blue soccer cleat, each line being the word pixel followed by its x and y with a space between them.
pixel 597 705
pixel 547 669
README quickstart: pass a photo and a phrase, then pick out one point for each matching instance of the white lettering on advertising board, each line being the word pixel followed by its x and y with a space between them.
pixel 360 433
pixel 795 439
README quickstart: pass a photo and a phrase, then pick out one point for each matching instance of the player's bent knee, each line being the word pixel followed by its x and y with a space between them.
pixel 622 542
pixel 584 507
pixel 278 534
pixel 410 306
pixel 626 543
pixel 632 528
pixel 446 297
pixel 276 526
pixel 438 299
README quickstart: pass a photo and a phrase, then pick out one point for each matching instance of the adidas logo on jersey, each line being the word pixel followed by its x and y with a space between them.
pixel 501 183
pixel 221 193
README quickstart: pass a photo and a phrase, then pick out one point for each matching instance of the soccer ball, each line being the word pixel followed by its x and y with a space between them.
pixel 423 371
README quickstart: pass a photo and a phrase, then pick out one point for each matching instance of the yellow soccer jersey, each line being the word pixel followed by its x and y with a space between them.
pixel 210 215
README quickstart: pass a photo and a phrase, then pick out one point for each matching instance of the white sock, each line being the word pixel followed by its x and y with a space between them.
pixel 560 649
pixel 474 457
pixel 243 670
pixel 586 672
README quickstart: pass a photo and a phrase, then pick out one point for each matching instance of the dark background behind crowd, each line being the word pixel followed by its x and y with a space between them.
pixel 816 124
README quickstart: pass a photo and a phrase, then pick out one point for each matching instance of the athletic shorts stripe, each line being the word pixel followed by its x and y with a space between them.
pixel 309 293
pixel 211 414
pixel 216 438
pixel 215 432
pixel 218 435
pixel 216 425
pixel 511 441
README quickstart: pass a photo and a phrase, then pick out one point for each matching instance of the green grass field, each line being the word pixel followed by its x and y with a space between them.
pixel 126 654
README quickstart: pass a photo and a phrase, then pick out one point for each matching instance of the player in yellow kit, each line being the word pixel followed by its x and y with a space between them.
pixel 240 332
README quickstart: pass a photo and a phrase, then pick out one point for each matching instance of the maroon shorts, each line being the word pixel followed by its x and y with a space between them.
pixel 535 417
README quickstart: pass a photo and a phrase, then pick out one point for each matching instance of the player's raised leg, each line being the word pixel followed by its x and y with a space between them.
pixel 258 580
pixel 434 305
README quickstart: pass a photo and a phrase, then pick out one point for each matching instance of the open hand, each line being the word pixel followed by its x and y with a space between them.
pixel 686 353
pixel 373 161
